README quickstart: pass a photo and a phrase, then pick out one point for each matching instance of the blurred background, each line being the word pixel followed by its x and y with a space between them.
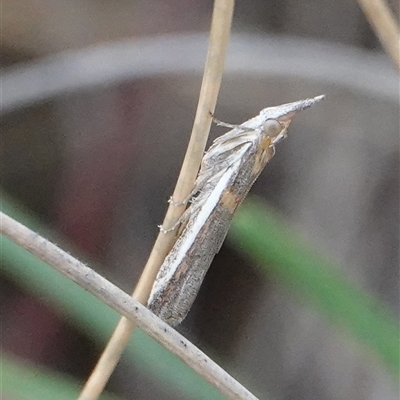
pixel 98 98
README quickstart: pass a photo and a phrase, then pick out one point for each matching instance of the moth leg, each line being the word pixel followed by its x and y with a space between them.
pixel 174 226
pixel 232 126
pixel 181 220
pixel 220 123
pixel 198 186
pixel 184 202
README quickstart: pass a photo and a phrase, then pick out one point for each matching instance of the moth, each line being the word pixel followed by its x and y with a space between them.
pixel 228 170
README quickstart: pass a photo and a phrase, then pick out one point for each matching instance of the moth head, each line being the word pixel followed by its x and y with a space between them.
pixel 275 130
pixel 277 119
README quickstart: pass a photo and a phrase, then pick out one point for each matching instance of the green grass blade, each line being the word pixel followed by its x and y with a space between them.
pixel 263 237
pixel 92 316
pixel 28 382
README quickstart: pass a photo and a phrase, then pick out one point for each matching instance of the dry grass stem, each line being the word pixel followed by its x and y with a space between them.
pixel 219 37
pixel 124 305
pixel 385 26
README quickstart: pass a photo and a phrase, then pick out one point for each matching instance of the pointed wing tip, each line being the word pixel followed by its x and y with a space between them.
pixel 319 98
pixel 310 102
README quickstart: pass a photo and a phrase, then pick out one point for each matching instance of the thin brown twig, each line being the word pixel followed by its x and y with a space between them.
pixel 219 37
pixel 385 26
pixel 124 305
